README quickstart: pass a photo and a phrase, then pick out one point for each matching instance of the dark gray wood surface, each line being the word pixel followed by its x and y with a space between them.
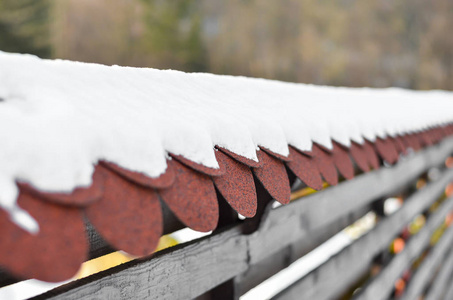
pixel 337 274
pixel 449 293
pixel 441 282
pixel 382 285
pixel 425 271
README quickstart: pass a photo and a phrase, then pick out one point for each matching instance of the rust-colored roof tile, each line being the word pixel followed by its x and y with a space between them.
pixel 128 216
pixel 406 141
pixel 55 253
pixel 443 132
pixel 386 150
pixel 276 155
pixel 342 160
pixel 192 198
pixel 240 158
pixel 418 140
pixel 371 155
pixel 163 181
pixel 198 167
pixel 307 153
pixel 414 141
pixel 391 143
pixel 393 148
pixel 236 185
pixel 399 144
pixel 359 156
pixel 438 134
pixel 426 138
pixel 325 149
pixel 272 174
pixel 305 169
pixel 433 133
pixel 80 196
pixel 324 162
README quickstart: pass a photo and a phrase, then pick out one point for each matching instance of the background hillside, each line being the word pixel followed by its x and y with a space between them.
pixel 377 43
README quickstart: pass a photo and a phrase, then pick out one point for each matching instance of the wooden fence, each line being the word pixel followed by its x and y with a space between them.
pixel 242 254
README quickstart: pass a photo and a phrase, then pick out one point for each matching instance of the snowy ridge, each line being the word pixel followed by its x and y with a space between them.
pixel 59 118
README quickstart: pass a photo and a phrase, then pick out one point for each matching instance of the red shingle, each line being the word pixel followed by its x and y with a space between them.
pixel 78 197
pixel 192 198
pixel 163 181
pixel 240 158
pixel 273 176
pixel 55 253
pixel 325 164
pixel 305 169
pixel 128 216
pixel 198 167
pixel 342 160
pixel 236 185
pixel 359 156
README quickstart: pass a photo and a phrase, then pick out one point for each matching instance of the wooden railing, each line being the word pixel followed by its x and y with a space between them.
pixel 242 254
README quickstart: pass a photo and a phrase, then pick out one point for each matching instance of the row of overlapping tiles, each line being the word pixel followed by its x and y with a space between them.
pixel 124 206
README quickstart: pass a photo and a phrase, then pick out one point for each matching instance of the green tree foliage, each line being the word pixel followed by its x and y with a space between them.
pixel 24 26
pixel 173 33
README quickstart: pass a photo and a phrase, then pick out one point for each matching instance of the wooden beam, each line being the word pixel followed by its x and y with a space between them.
pixel 449 293
pixel 440 283
pixel 381 286
pixel 338 273
pixel 271 265
pixel 420 279
pixel 183 273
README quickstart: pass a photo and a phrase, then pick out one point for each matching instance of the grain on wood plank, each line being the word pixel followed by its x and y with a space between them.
pixel 449 293
pixel 440 283
pixel 181 274
pixel 339 272
pixel 275 263
pixel 421 277
pixel 382 285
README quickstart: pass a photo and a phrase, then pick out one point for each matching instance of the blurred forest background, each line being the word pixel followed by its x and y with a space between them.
pixel 379 43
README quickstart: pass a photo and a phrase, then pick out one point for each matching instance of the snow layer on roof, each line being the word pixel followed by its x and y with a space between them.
pixel 58 118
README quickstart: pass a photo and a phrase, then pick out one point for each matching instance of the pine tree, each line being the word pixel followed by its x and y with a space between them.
pixel 24 26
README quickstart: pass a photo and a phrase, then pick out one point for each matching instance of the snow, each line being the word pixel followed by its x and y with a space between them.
pixel 27 289
pixel 58 118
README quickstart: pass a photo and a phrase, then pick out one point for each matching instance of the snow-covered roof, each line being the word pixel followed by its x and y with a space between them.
pixel 89 139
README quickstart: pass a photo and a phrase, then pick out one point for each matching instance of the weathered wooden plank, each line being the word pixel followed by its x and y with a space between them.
pixel 440 283
pixel 421 277
pixel 268 267
pixel 182 274
pixel 382 285
pixel 338 273
pixel 449 292
pixel 321 209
